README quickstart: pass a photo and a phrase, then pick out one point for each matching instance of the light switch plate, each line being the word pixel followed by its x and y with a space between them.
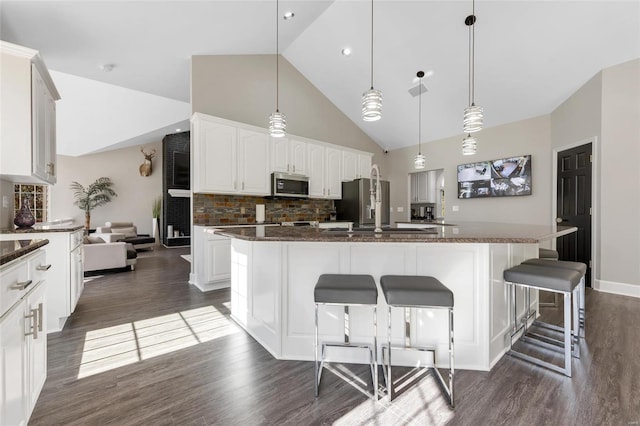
pixel 5 202
pixel 455 208
pixel 400 209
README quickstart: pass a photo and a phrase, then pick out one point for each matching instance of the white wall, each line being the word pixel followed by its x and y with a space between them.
pixel 620 176
pixel 242 88
pixel 519 138
pixel 135 193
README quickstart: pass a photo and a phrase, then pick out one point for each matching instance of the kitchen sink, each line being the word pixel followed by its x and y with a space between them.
pixel 384 231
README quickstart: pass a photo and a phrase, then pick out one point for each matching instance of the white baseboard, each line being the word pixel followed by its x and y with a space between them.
pixel 617 288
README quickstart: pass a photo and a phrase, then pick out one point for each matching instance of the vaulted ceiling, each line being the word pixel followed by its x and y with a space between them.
pixel 530 56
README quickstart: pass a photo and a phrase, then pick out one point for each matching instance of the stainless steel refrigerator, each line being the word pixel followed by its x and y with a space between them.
pixel 355 205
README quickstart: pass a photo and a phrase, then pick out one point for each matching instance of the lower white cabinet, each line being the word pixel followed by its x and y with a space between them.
pixel 66 275
pixel 23 344
pixel 210 260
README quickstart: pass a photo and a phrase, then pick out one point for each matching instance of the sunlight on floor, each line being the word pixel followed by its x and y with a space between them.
pixel 117 346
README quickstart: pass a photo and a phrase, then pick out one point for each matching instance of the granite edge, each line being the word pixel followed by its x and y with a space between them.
pixel 22 251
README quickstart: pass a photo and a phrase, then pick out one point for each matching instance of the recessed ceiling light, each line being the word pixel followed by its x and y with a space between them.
pixel 289 15
pixel 107 67
pixel 346 51
pixel 177 130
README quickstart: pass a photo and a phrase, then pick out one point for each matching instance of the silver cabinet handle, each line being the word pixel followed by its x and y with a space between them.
pixel 22 285
pixel 40 315
pixel 243 186
pixel 294 168
pixel 329 191
pixel 34 324
pixel 43 267
pixel 287 167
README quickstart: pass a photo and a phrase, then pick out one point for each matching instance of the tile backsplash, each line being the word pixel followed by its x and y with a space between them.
pixel 214 209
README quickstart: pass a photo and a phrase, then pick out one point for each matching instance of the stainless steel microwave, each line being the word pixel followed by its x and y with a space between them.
pixel 293 186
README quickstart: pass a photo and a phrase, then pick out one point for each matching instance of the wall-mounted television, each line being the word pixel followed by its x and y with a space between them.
pixel 181 171
pixel 495 178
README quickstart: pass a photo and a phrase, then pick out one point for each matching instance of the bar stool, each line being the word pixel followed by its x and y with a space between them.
pixel 579 310
pixel 408 292
pixel 548 254
pixel 557 280
pixel 347 290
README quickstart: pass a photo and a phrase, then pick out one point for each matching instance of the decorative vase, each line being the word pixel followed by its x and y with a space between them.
pixel 24 218
pixel 155 230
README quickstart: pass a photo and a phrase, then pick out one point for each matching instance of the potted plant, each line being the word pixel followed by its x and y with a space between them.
pixel 155 211
pixel 95 195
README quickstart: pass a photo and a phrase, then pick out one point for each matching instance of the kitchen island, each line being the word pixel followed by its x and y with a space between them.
pixel 274 271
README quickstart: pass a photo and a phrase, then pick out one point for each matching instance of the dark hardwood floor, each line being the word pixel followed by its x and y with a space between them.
pixel 145 348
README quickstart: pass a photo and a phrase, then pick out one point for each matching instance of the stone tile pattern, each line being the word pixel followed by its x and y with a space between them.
pixel 175 211
pixel 214 209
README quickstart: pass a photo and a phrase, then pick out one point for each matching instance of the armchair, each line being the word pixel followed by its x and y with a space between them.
pixel 101 255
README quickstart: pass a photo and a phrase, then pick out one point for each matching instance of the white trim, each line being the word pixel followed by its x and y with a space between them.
pixel 595 182
pixel 612 287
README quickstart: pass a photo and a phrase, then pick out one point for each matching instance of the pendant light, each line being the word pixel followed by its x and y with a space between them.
pixel 277 120
pixel 419 161
pixel 469 145
pixel 473 114
pixel 372 98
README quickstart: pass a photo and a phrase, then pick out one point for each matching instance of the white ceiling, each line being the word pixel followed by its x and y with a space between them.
pixel 530 55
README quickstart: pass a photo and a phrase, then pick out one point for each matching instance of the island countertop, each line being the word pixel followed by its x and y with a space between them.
pixel 41 229
pixel 462 232
pixel 15 249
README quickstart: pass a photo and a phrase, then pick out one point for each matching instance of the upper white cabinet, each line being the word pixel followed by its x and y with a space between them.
pixel 423 187
pixel 28 119
pixel 325 167
pixel 227 158
pixel 236 158
pixel 289 156
pixel 355 165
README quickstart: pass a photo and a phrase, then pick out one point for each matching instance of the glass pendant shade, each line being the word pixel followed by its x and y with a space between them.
pixel 372 105
pixel 469 145
pixel 419 161
pixel 277 124
pixel 473 119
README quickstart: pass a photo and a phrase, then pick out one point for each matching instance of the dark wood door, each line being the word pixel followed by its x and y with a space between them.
pixel 574 205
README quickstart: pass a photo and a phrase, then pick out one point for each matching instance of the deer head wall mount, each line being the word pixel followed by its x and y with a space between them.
pixel 145 167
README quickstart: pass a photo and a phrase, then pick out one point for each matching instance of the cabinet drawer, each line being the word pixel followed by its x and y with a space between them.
pixel 38 267
pixel 12 279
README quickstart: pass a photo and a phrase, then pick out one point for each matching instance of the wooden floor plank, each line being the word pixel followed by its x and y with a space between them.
pixel 220 375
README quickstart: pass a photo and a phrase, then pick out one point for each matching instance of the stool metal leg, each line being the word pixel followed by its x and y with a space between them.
pixel 316 378
pixel 567 334
pixel 582 311
pixel 375 352
pixel 451 368
pixel 389 379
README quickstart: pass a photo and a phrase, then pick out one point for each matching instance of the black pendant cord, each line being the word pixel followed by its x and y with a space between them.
pixel 277 59
pixel 372 44
pixel 420 115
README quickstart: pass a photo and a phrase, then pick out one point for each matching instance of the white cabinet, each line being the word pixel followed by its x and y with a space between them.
pixel 253 166
pixel 333 173
pixel 64 271
pixel 228 159
pixel 289 155
pixel 325 167
pixel 317 187
pixel 211 259
pixel 28 119
pixel 355 165
pixel 23 342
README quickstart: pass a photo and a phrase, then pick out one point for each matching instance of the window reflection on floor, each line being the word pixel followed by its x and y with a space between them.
pixel 120 345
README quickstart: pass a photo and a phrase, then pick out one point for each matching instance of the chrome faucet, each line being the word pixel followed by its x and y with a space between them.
pixel 376 198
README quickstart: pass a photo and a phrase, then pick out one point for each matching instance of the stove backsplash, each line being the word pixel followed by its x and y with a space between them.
pixel 213 209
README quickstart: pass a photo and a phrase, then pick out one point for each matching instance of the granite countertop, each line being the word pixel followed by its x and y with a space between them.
pixel 14 249
pixel 469 232
pixel 434 221
pixel 40 229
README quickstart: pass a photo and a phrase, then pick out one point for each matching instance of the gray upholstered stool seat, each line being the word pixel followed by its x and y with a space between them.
pixel 415 291
pixel 543 277
pixel 549 278
pixel 544 253
pixel 579 298
pixel 346 290
pixel 408 291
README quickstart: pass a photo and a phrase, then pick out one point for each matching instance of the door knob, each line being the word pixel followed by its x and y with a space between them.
pixel 559 220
